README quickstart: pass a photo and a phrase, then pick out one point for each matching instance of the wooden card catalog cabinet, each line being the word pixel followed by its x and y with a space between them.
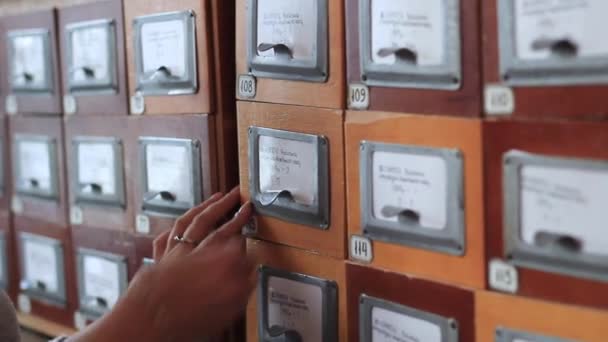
pixel 38 168
pixel 538 51
pixel 503 318
pixel 93 59
pixel 5 164
pixel 548 220
pixel 385 306
pixel 175 169
pixel 414 194
pixel 288 49
pixel 292 171
pixel 32 81
pixel 300 296
pixel 42 269
pixel 169 59
pixel 418 56
pixel 102 279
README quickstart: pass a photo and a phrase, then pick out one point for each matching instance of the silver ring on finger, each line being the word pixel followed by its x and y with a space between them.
pixel 184 240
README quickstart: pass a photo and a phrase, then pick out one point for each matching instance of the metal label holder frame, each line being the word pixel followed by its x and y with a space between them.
pixel 58 298
pixel 53 192
pixel 182 86
pixel 508 335
pixel 547 72
pixel 448 326
pixel 518 252
pixel 106 85
pixel 314 70
pixel 316 215
pixel 159 207
pixel 329 290
pixel 97 311
pixel 119 199
pixel 47 87
pixel 4 271
pixel 451 239
pixel 445 77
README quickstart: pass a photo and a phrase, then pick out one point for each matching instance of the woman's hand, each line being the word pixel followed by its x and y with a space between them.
pixel 197 287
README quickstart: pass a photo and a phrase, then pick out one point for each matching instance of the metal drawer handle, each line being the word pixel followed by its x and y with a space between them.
pixel 404 215
pixel 162 72
pixel 95 188
pixel 280 334
pixel 88 71
pixel 97 301
pixel 269 198
pixel 166 196
pixel 562 242
pixel 564 47
pixel 280 50
pixel 402 55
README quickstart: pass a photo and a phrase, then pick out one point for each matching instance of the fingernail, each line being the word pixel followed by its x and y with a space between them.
pixel 243 207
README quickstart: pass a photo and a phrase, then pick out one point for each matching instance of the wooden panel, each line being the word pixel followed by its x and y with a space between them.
pixel 98 104
pixel 307 120
pixel 44 326
pixel 331 94
pixel 36 104
pixel 46 210
pixel 580 101
pixel 435 298
pixel 551 319
pixel 60 315
pixel 572 139
pixel 464 102
pixel 197 127
pixel 462 134
pixel 6 228
pixel 102 216
pixel 298 261
pixel 199 103
pixel 5 146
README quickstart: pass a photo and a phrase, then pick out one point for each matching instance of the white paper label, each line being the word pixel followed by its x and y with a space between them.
pixel 169 169
pixel 34 165
pixel 163 44
pixel 247 86
pixel 389 326
pixel 361 248
pixel 76 215
pixel 69 104
pixel 499 100
pixel 10 105
pixel 288 165
pixel 101 279
pixel 137 104
pixel 91 50
pixel 503 276
pixel 29 61
pixel 80 321
pixel 41 265
pixel 24 303
pixel 562 201
pixel 417 25
pixel 296 306
pixel 17 205
pixel 358 96
pixel 541 22
pixel 142 224
pixel 292 23
pixel 410 182
pixel 96 166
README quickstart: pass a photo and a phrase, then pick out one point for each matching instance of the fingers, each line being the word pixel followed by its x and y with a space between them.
pixel 233 227
pixel 182 223
pixel 159 246
pixel 205 222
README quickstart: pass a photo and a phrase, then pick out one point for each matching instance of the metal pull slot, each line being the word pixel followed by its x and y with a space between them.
pixel 269 198
pixel 563 48
pixel 280 334
pixel 402 55
pixel 88 71
pixel 561 242
pixel 94 188
pixel 162 73
pixel 98 302
pixel 164 195
pixel 405 216
pixel 280 50
pixel 33 183
pixel 40 285
pixel 27 76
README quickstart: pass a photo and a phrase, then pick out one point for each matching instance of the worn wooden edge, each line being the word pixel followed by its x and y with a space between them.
pixel 43 326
